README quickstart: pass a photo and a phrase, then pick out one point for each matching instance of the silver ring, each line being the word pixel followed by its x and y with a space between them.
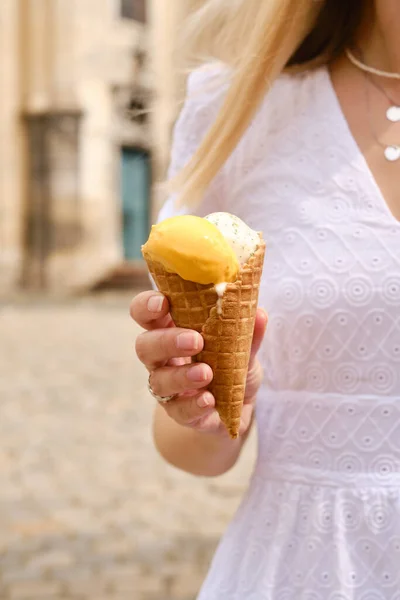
pixel 161 399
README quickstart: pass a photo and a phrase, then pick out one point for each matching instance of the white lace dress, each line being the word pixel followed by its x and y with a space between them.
pixel 321 517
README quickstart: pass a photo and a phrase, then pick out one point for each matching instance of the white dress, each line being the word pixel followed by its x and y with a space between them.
pixel 321 517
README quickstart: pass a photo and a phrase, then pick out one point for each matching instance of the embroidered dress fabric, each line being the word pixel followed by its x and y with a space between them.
pixel 321 517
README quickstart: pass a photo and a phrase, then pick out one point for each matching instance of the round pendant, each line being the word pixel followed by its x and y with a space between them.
pixel 393 114
pixel 392 153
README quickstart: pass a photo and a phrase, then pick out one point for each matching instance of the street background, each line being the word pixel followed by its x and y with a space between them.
pixel 89 511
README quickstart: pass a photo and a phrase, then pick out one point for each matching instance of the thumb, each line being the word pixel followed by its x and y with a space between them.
pixel 259 331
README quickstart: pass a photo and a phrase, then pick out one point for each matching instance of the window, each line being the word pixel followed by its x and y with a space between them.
pixel 134 9
pixel 137 110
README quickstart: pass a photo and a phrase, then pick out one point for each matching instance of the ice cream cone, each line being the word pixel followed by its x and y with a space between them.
pixel 226 325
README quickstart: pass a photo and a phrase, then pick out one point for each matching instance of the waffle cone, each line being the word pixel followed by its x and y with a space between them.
pixel 227 332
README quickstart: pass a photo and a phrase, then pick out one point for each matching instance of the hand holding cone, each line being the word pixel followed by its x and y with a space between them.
pixel 225 319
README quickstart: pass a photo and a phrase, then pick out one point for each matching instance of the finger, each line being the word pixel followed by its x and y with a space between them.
pixel 254 379
pixel 189 410
pixel 155 348
pixel 178 362
pixel 246 418
pixel 150 310
pixel 210 422
pixel 258 334
pixel 167 381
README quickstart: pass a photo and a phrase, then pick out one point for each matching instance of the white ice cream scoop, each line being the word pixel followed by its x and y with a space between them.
pixel 242 239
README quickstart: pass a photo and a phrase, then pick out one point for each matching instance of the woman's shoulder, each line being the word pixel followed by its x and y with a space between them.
pixel 206 88
pixel 216 74
pixel 289 101
pixel 290 96
pixel 292 92
pixel 209 83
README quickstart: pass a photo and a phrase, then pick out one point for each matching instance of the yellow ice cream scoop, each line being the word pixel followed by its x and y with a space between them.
pixel 193 248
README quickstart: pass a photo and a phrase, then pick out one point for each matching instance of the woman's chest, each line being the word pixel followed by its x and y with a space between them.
pixel 331 282
pixel 330 225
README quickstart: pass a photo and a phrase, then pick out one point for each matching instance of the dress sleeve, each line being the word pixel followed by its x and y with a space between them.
pixel 204 95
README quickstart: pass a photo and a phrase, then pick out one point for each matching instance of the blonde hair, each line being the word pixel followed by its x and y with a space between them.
pixel 257 40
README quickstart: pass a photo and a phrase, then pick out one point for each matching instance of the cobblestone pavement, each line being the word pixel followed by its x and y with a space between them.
pixel 88 511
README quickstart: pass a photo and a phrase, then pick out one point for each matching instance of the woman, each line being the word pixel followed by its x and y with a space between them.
pixel 298 133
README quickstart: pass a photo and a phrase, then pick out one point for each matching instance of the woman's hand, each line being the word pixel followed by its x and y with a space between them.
pixel 166 352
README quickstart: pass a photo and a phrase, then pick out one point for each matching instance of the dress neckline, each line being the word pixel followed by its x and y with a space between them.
pixel 354 148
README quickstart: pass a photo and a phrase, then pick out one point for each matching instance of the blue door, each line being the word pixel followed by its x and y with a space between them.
pixel 135 200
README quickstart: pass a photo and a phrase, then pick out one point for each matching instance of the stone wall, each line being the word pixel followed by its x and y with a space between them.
pixel 11 148
pixel 61 56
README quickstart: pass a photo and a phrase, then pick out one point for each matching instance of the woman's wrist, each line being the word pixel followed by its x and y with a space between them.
pixel 198 452
pixel 220 452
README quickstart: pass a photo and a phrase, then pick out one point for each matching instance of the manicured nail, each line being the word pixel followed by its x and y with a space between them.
pixel 204 400
pixel 197 373
pixel 188 341
pixel 155 303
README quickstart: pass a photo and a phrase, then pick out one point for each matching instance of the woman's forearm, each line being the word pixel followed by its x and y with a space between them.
pixel 203 454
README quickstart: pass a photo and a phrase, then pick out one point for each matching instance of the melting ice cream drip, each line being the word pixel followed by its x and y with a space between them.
pixel 220 288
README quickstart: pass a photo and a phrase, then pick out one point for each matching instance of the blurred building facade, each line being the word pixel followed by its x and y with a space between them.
pixel 79 153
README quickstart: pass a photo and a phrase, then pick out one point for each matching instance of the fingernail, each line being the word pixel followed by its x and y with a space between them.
pixel 155 303
pixel 197 373
pixel 188 341
pixel 204 400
